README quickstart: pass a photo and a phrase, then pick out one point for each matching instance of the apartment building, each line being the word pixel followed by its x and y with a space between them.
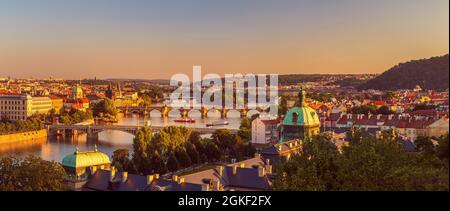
pixel 20 107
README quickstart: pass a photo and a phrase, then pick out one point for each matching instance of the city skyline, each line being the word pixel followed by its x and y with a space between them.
pixel 156 39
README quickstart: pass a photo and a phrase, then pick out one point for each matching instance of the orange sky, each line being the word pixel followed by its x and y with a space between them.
pixel 117 41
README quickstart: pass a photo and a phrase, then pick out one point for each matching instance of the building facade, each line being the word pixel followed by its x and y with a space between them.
pixel 265 131
pixel 20 107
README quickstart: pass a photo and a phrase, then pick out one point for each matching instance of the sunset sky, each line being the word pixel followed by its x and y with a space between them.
pixel 154 39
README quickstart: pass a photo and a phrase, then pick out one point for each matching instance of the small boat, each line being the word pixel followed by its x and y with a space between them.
pixel 185 120
pixel 105 120
pixel 217 123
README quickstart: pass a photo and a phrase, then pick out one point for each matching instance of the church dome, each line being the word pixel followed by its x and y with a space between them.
pixel 85 159
pixel 303 115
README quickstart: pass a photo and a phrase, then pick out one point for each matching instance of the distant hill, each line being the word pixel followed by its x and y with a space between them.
pixel 429 73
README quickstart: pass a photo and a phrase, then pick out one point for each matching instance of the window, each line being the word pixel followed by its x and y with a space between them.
pixel 294 117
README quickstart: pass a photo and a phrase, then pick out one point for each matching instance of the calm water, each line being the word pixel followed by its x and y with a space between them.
pixel 109 141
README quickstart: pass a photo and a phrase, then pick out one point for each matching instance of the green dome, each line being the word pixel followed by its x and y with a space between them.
pixel 85 159
pixel 302 116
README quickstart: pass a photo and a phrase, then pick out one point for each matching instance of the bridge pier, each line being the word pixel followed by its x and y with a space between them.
pixel 204 112
pixel 223 113
pixel 243 113
pixel 184 113
pixel 92 135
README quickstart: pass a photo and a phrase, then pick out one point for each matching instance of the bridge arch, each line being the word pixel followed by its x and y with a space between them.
pixel 174 113
pixel 233 114
pixel 194 113
pixel 155 113
pixel 215 113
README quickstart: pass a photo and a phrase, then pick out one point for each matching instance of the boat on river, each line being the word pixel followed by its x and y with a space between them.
pixel 185 120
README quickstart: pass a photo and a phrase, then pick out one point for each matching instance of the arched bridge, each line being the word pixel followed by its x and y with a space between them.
pixel 165 110
pixel 93 130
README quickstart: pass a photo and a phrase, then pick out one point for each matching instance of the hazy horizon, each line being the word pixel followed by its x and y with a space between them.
pixel 154 39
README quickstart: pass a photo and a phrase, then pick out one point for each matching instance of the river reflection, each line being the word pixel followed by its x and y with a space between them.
pixel 55 148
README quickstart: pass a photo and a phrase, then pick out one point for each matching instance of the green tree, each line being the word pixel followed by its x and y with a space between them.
pixel 425 145
pixel 183 157
pixel 224 139
pixel 122 162
pixel 105 108
pixel 157 163
pixel 212 151
pixel 313 170
pixel 31 174
pixel 141 143
pixel 442 149
pixel 172 163
pixel 193 153
pixel 368 164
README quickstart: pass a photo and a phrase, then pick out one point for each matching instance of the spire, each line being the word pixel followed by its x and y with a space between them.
pixel 301 97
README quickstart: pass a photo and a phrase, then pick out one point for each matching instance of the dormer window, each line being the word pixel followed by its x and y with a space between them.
pixel 295 117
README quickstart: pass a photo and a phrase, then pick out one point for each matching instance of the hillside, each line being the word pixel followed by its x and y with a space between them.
pixel 429 73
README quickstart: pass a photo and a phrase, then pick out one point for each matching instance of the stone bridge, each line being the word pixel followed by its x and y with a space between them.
pixel 94 130
pixel 165 110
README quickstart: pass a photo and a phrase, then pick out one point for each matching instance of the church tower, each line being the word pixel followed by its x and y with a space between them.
pixel 300 122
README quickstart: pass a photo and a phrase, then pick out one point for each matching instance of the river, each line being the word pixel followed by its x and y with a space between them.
pixel 55 148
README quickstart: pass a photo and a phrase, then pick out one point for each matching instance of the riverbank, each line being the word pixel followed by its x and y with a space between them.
pixel 24 136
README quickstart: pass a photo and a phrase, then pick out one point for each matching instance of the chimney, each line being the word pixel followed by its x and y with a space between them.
pixel 124 176
pixel 181 180
pixel 205 187
pixel 175 178
pixel 93 170
pixel 217 185
pixel 235 170
pixel 261 172
pixel 150 179
pixel 269 169
pixel 221 171
pixel 112 174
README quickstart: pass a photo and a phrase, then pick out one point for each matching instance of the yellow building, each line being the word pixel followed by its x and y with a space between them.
pixel 41 105
pixel 57 104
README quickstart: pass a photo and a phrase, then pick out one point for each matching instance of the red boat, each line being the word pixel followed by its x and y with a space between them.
pixel 186 120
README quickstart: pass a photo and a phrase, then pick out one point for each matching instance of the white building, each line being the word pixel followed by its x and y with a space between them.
pixel 265 131
pixel 20 107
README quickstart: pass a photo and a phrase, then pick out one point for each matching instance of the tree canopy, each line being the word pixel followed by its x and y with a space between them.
pixel 367 164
